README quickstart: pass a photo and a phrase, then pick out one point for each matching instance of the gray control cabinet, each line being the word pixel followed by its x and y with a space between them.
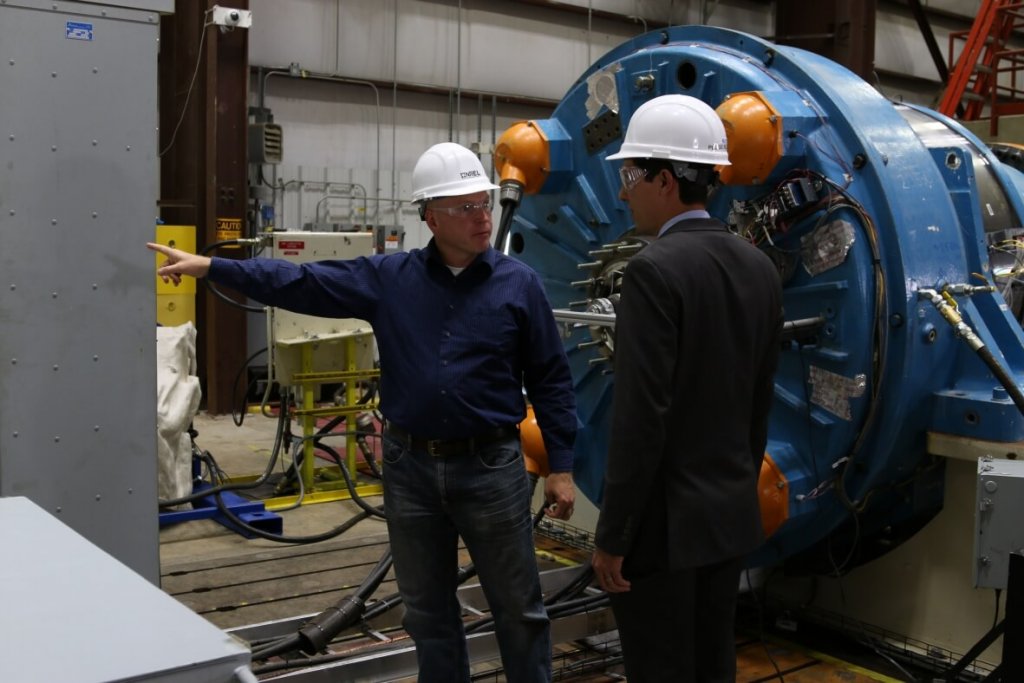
pixel 999 520
pixel 99 622
pixel 78 187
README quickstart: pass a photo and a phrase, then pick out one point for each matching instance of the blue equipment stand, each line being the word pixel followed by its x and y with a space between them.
pixel 251 512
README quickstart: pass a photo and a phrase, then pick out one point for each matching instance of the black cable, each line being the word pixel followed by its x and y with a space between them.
pixel 216 292
pixel 562 609
pixel 370 510
pixel 234 387
pixel 297 540
pixel 870 643
pixel 578 606
pixel 293 470
pixel 389 602
pixel 366 427
pixel 369 457
pixel 880 334
pixel 314 635
pixel 761 604
pixel 323 628
pixel 578 584
pixel 1003 376
pixel 317 660
pixel 377 608
pixel 362 431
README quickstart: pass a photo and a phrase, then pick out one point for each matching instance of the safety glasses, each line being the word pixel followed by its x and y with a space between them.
pixel 631 176
pixel 464 210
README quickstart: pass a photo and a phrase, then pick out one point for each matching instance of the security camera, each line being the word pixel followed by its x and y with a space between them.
pixel 231 18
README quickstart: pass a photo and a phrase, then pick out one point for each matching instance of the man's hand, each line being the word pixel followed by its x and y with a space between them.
pixel 559 495
pixel 179 263
pixel 608 570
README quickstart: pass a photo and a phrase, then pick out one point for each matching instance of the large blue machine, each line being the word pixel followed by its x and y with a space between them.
pixel 897 233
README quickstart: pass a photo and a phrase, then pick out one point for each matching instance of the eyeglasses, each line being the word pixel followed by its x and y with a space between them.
pixel 464 210
pixel 631 176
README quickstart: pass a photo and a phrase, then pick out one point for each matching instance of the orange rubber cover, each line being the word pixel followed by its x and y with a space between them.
pixel 754 131
pixel 773 493
pixel 522 154
pixel 534 453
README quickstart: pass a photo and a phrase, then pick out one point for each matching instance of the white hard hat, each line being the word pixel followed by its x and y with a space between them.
pixel 675 128
pixel 448 170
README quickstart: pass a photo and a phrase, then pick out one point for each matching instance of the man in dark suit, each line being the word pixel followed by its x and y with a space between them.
pixel 697 340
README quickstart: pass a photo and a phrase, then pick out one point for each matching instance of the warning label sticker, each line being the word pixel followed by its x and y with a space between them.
pixel 229 229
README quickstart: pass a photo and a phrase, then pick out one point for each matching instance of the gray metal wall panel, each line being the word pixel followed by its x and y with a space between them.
pixel 78 188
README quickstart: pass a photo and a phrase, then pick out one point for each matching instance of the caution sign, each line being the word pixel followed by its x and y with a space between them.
pixel 229 229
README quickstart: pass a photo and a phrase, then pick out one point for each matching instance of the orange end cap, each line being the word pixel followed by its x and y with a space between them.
pixel 754 131
pixel 522 154
pixel 534 453
pixel 773 494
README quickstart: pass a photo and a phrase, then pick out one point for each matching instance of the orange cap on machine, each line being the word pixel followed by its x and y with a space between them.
pixel 754 128
pixel 534 453
pixel 773 494
pixel 522 154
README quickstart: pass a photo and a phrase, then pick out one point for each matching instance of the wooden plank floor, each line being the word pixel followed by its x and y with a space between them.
pixel 233 581
pixel 279 583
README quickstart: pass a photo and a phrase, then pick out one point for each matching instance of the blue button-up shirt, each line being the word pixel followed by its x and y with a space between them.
pixel 455 351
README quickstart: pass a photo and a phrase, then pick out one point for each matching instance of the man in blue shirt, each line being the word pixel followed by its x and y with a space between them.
pixel 461 330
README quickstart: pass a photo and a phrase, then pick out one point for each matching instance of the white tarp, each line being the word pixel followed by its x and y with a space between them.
pixel 177 400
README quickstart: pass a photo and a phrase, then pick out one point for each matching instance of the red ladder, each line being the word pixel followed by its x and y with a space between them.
pixel 973 81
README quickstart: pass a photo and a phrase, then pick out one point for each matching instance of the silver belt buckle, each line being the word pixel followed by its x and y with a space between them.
pixel 432 446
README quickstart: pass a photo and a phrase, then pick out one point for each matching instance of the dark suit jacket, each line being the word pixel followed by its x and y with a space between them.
pixel 696 344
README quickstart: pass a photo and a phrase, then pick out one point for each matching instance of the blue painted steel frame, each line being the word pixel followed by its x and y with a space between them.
pixel 927 217
pixel 252 513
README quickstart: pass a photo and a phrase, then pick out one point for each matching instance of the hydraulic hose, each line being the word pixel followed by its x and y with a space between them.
pixel 1003 376
pixel 347 607
pixel 562 609
pixel 320 630
pixel 316 633
pixel 297 540
pixel 509 197
pixel 351 485
pixel 947 308
pixel 572 589
pixel 240 418
pixel 364 428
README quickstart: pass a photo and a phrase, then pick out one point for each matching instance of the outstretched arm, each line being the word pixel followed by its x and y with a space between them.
pixel 179 263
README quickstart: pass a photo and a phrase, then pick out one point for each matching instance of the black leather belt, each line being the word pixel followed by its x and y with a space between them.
pixel 444 448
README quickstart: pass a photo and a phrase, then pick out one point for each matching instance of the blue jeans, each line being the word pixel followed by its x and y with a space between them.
pixel 484 497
